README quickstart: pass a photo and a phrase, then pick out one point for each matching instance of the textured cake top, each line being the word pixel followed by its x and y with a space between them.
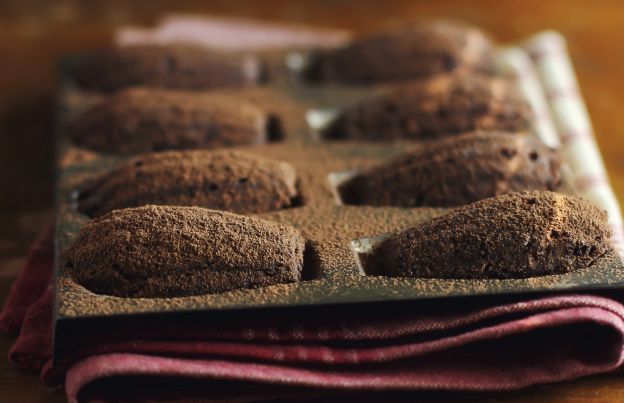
pixel 405 51
pixel 176 66
pixel 511 236
pixel 140 119
pixel 167 251
pixel 229 180
pixel 458 170
pixel 435 108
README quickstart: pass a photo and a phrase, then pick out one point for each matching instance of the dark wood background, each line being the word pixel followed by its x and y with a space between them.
pixel 34 33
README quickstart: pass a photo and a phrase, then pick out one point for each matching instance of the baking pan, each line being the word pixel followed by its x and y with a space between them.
pixel 338 236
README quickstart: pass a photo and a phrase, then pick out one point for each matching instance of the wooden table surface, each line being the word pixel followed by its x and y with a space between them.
pixel 33 33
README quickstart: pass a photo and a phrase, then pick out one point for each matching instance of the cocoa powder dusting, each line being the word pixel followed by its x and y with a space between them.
pixel 458 170
pixel 165 251
pixel 176 66
pixel 434 108
pixel 406 51
pixel 139 120
pixel 516 235
pixel 228 180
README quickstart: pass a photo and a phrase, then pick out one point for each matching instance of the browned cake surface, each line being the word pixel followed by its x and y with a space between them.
pixel 458 170
pixel 434 108
pixel 165 251
pixel 176 66
pixel 224 180
pixel 517 235
pixel 405 51
pixel 141 119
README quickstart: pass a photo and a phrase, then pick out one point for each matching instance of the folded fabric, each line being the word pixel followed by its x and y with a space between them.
pixel 29 284
pixel 470 346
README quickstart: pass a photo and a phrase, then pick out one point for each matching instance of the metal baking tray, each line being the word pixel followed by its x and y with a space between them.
pixel 335 234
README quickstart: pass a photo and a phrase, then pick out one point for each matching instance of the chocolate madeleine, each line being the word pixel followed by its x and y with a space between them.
pixel 165 251
pixel 223 180
pixel 458 170
pixel 405 52
pixel 517 235
pixel 140 120
pixel 182 67
pixel 434 108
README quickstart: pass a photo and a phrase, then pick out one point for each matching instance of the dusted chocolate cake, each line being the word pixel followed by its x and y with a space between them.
pixel 165 251
pixel 402 52
pixel 517 235
pixel 434 108
pixel 458 170
pixel 140 120
pixel 223 180
pixel 176 66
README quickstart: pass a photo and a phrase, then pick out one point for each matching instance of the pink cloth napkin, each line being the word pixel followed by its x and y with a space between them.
pixel 470 346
